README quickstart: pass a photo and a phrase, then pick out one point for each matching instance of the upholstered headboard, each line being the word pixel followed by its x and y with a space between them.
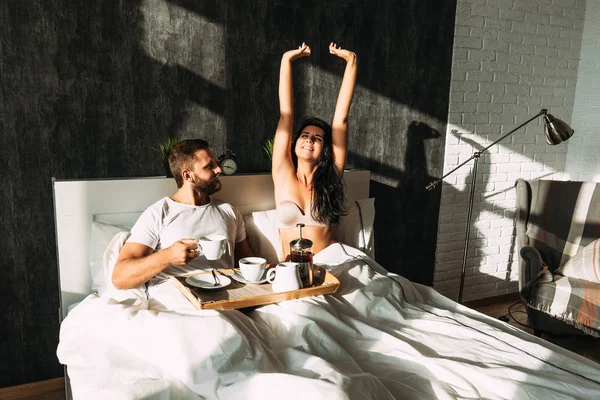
pixel 78 203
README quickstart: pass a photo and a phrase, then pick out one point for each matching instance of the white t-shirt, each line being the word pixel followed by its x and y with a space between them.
pixel 167 221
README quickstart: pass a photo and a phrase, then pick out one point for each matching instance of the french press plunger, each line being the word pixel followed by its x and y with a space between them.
pixel 301 253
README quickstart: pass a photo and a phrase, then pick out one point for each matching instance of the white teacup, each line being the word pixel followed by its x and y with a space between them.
pixel 212 246
pixel 252 268
pixel 285 277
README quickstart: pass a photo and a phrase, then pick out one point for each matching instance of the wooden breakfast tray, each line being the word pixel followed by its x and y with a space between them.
pixel 238 295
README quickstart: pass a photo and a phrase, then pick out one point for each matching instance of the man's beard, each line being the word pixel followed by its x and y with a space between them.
pixel 207 187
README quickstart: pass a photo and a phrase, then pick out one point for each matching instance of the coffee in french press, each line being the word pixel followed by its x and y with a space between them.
pixel 301 253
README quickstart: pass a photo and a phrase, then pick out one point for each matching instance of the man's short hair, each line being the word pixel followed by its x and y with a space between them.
pixel 182 157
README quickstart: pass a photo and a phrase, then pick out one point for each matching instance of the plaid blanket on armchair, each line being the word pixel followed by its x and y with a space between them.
pixel 558 219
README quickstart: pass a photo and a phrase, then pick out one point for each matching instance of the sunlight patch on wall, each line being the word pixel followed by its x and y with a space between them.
pixel 523 154
pixel 175 36
pixel 197 115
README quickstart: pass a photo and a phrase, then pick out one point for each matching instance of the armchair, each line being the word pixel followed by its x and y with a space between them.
pixel 555 220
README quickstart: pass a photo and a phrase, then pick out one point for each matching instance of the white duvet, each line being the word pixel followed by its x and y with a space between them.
pixel 379 337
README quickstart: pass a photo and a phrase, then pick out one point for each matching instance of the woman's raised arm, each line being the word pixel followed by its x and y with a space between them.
pixel 339 126
pixel 282 158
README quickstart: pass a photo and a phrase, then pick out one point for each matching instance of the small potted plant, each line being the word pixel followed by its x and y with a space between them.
pixel 268 148
pixel 165 149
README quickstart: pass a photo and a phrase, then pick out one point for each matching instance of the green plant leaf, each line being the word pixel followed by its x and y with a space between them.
pixel 164 149
pixel 268 148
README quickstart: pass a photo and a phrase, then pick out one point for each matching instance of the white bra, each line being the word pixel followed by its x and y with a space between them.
pixel 289 214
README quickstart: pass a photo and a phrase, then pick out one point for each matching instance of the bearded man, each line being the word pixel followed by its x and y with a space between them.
pixel 164 240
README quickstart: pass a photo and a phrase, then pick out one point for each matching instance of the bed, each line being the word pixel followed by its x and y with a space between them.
pixel 379 336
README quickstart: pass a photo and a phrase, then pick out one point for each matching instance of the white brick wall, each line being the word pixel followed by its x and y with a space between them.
pixel 511 59
pixel 583 156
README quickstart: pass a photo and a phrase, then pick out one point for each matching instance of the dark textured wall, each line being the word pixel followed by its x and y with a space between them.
pixel 87 88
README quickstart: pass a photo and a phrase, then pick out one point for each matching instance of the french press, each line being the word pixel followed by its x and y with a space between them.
pixel 301 253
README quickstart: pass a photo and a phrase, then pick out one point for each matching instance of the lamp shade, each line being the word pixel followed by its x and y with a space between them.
pixel 556 131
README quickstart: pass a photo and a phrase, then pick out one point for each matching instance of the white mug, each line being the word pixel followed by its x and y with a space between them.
pixel 285 277
pixel 212 246
pixel 252 268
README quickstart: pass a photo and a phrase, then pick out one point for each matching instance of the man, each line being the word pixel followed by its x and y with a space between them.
pixel 164 240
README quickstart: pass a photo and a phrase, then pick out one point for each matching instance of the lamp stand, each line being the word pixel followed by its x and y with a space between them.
pixel 468 230
pixel 475 157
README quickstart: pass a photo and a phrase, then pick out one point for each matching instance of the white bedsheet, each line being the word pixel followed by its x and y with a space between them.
pixel 379 337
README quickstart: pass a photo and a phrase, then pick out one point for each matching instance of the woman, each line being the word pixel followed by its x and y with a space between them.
pixel 308 179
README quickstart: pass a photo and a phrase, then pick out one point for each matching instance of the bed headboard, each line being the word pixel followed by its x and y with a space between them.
pixel 77 203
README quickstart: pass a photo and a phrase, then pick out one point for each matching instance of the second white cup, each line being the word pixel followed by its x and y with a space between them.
pixel 253 268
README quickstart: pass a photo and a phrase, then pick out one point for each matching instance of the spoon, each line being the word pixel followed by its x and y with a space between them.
pixel 217 283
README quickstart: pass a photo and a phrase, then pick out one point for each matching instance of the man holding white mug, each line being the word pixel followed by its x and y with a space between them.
pixel 164 240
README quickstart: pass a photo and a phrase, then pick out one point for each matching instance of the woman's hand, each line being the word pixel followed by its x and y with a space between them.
pixel 347 55
pixel 302 51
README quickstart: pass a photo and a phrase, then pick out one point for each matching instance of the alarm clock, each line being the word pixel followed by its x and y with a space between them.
pixel 227 162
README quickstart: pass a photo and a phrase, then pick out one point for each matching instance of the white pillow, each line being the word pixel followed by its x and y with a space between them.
pixel 106 243
pixel 102 235
pixel 109 260
pixel 350 231
pixel 263 235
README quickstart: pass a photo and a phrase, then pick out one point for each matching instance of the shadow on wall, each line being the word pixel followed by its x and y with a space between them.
pixel 403 240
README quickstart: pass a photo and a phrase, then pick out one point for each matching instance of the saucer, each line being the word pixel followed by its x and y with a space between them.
pixel 237 276
pixel 206 281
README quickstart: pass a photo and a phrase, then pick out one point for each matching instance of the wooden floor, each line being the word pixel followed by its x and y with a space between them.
pixel 497 307
pixel 53 389
pixel 54 395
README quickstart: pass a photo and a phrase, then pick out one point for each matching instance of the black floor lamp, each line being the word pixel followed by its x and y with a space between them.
pixel 556 132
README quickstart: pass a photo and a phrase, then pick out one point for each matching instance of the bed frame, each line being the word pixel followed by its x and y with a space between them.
pixel 78 203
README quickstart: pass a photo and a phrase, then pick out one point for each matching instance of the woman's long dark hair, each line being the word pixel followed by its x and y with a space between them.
pixel 327 185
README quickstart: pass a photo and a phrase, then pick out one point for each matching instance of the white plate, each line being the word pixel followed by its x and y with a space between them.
pixel 206 281
pixel 237 276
